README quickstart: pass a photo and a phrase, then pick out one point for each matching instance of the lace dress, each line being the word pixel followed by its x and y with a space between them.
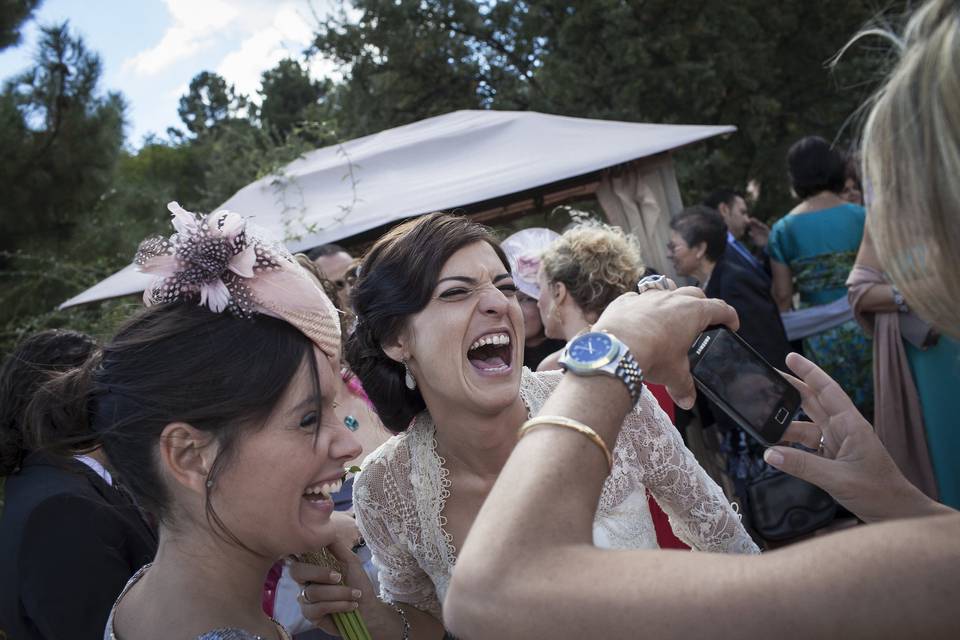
pixel 400 494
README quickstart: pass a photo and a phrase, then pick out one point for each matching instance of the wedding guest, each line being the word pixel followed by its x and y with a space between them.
pixel 732 206
pixel 437 347
pixel 219 417
pixel 334 263
pixel 699 249
pixel 898 578
pixel 69 539
pixel 852 185
pixel 586 268
pixel 812 250
pixel 354 409
pixel 581 273
pixel 523 250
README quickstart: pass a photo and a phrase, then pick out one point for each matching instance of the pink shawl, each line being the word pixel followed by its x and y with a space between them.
pixel 898 418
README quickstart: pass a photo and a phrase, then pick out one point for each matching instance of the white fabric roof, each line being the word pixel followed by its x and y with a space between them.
pixel 440 163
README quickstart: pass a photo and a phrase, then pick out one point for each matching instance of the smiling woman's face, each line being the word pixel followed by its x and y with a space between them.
pixel 465 347
pixel 274 493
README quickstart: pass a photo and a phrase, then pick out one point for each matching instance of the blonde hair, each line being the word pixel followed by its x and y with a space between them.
pixel 911 156
pixel 596 262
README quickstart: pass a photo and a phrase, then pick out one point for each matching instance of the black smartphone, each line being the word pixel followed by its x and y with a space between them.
pixel 732 375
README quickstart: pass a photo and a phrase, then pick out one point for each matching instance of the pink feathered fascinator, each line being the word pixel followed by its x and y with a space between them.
pixel 218 261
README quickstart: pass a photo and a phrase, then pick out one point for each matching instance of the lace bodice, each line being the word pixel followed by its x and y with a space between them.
pixel 400 494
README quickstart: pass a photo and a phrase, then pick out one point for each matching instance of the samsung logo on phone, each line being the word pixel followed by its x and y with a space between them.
pixel 703 345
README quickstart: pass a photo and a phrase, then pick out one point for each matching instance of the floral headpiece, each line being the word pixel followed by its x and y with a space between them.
pixel 219 261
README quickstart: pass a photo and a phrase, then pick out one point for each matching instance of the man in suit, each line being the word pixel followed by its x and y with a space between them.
pixel 69 538
pixel 733 208
pixel 699 248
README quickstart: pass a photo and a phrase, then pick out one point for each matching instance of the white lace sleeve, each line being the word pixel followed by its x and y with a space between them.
pixel 700 513
pixel 385 508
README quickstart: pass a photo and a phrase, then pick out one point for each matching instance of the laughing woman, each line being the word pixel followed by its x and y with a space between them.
pixel 219 421
pixel 438 347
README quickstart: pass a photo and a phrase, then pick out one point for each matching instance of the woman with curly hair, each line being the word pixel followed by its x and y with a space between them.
pixel 586 269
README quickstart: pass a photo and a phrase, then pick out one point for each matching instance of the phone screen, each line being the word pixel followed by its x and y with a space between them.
pixel 740 378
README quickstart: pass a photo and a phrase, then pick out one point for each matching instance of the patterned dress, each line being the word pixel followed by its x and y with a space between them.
pixel 820 248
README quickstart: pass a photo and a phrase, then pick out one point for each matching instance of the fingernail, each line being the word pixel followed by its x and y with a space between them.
pixel 774 457
pixel 335 576
pixel 357 593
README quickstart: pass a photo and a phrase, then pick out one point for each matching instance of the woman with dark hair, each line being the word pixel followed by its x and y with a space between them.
pixel 438 346
pixel 219 418
pixel 69 538
pixel 812 250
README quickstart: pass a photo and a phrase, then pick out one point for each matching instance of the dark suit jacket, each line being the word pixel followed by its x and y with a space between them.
pixel 68 544
pixel 747 292
pixel 733 256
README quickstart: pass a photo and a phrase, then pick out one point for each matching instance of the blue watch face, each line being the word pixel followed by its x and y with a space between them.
pixel 591 347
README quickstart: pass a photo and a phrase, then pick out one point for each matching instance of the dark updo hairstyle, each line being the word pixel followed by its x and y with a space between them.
pixel 814 166
pixel 34 361
pixel 177 362
pixel 397 278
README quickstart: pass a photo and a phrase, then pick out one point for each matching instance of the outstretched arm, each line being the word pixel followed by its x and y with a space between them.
pixel 528 567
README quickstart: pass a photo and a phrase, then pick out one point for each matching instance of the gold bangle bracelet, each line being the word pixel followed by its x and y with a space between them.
pixel 567 423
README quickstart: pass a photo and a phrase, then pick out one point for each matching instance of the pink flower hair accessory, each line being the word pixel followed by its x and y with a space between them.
pixel 216 260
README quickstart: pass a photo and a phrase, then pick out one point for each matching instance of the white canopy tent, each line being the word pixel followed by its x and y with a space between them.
pixel 489 164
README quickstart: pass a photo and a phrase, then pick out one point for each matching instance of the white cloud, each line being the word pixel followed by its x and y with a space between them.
pixel 194 24
pixel 266 32
pixel 285 36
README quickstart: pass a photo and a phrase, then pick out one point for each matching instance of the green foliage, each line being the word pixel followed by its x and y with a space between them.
pixel 747 63
pixel 75 203
pixel 13 13
pixel 60 141
pixel 209 103
pixel 291 98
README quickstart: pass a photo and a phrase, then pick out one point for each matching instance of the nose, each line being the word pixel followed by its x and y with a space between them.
pixel 344 446
pixel 493 302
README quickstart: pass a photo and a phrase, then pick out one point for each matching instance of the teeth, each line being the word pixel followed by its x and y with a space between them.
pixel 497 339
pixel 324 489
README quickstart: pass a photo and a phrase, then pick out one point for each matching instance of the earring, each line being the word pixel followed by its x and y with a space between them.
pixel 408 378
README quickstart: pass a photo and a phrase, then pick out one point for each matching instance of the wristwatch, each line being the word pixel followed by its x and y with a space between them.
pixel 601 353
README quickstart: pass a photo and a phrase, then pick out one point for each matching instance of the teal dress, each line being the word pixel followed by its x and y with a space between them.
pixel 936 373
pixel 820 248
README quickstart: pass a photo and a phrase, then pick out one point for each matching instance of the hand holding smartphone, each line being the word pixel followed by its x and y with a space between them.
pixel 732 375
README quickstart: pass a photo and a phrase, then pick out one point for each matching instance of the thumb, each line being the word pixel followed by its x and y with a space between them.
pixel 682 389
pixel 801 464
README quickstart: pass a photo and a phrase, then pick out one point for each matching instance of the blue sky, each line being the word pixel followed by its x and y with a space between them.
pixel 152 48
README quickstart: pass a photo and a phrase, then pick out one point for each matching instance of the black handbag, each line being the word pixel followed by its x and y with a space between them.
pixel 783 507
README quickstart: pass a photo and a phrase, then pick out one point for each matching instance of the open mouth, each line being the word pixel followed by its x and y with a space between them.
pixel 322 491
pixel 491 353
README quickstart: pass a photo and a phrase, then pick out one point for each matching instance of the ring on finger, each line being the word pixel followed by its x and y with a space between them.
pixel 303 595
pixel 653 282
pixel 822 448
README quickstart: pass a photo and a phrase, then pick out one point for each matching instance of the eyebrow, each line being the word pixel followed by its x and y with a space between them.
pixel 312 400
pixel 470 280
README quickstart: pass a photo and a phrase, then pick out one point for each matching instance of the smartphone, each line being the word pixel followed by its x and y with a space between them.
pixel 732 375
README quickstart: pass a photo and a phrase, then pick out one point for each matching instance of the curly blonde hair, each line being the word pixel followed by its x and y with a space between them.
pixel 596 262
